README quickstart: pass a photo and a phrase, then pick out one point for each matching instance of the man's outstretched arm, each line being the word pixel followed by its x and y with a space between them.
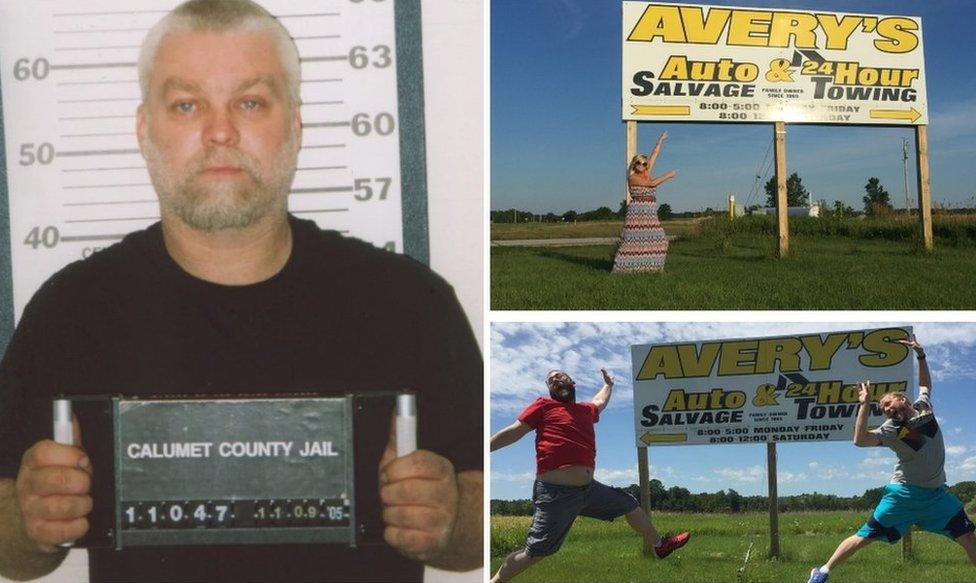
pixel 863 437
pixel 924 377
pixel 602 397
pixel 509 435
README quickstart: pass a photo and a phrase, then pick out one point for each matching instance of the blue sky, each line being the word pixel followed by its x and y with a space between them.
pixel 557 142
pixel 522 353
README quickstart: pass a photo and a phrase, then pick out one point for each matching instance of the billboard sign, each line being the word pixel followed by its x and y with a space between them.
pixel 755 390
pixel 731 64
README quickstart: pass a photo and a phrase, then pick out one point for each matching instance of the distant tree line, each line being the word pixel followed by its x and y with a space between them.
pixel 677 499
pixel 603 213
pixel 876 202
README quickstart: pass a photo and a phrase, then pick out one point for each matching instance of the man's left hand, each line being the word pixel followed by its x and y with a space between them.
pixel 419 493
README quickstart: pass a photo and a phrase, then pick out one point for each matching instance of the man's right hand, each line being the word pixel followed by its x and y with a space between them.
pixel 53 487
pixel 864 392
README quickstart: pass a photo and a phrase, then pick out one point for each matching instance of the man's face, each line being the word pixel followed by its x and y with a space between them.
pixel 217 130
pixel 561 386
pixel 897 410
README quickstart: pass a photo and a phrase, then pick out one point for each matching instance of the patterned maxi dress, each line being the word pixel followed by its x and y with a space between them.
pixel 643 244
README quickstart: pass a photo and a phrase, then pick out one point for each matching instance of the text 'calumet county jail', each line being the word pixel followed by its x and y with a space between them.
pixel 876 349
pixel 228 449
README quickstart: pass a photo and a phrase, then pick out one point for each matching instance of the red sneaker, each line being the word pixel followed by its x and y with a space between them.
pixel 671 543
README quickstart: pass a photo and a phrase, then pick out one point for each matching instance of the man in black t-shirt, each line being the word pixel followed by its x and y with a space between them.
pixel 229 294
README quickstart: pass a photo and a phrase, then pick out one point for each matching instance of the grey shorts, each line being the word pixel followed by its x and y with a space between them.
pixel 556 507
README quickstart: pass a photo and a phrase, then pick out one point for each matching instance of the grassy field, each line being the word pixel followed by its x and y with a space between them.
pixel 586 229
pixel 740 271
pixel 600 551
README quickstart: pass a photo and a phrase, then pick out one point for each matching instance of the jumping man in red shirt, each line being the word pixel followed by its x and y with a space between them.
pixel 565 448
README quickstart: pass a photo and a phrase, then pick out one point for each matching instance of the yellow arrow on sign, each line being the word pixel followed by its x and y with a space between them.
pixel 900 114
pixel 648 439
pixel 661 110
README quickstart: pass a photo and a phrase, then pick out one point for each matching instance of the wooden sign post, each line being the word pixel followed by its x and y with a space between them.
pixel 782 211
pixel 773 501
pixel 631 152
pixel 645 489
pixel 924 194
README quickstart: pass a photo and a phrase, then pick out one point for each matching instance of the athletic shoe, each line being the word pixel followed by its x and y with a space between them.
pixel 818 576
pixel 671 543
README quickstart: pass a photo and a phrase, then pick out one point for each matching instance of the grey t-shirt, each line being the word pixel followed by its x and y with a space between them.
pixel 918 445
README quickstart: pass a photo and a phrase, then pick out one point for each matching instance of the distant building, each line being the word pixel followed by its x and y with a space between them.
pixel 794 211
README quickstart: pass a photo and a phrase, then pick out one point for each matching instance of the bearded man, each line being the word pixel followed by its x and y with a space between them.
pixel 229 294
pixel 917 492
pixel 565 445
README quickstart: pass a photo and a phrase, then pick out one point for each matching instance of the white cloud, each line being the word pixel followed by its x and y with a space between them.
pixel 790 478
pixel 876 459
pixel 617 477
pixel 877 475
pixel 509 477
pixel 752 474
pixel 876 466
pixel 968 466
pixel 955 450
pixel 827 472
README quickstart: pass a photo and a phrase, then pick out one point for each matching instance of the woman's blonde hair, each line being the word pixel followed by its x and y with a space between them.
pixel 638 159
pixel 223 16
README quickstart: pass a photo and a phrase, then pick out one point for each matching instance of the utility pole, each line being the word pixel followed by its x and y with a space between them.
pixel 904 158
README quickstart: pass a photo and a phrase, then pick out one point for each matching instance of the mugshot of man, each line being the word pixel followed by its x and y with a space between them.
pixel 229 294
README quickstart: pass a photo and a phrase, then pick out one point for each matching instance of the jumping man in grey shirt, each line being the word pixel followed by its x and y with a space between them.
pixel 917 493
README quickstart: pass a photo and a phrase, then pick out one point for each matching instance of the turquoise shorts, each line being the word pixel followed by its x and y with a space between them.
pixel 933 509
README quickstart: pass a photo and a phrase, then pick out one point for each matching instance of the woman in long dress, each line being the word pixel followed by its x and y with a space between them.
pixel 643 243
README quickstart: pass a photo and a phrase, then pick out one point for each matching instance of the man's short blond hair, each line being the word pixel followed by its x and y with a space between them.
pixel 888 397
pixel 222 16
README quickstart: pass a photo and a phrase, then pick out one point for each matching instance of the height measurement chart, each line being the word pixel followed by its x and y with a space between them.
pixel 76 182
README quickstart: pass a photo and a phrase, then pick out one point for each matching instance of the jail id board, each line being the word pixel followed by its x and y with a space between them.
pixel 75 181
pixel 736 64
pixel 756 390
pixel 280 472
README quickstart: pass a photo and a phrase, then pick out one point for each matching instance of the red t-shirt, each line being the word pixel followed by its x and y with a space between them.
pixel 563 433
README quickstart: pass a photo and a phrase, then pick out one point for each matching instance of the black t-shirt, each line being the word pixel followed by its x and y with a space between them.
pixel 340 316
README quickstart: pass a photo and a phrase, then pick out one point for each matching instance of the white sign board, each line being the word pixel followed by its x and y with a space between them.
pixel 731 64
pixel 757 390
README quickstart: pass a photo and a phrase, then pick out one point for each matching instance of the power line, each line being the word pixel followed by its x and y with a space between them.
pixel 760 172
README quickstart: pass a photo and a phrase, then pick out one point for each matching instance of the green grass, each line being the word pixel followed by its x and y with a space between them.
pixel 949 229
pixel 600 551
pixel 581 230
pixel 740 271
